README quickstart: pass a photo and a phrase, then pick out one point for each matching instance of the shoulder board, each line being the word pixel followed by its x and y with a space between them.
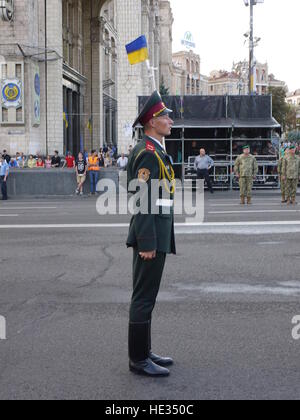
pixel 150 147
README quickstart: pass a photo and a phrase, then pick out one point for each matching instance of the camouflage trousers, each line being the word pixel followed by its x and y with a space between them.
pixel 291 188
pixel 246 185
pixel 283 186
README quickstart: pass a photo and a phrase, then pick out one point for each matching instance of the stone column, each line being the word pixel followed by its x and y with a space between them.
pixel 54 77
pixel 129 80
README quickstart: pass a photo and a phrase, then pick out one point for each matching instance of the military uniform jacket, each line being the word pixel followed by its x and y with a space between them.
pixel 246 166
pixel 291 167
pixel 149 232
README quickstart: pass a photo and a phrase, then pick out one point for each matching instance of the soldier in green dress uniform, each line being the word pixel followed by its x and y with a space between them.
pixel 246 169
pixel 151 235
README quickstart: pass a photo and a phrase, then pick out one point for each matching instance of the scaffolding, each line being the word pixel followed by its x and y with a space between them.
pixel 223 125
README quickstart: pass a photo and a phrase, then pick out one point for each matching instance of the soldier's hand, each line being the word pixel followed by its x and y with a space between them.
pixel 283 178
pixel 148 256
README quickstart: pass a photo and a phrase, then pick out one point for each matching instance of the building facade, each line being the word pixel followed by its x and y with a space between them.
pixel 66 83
pixel 224 83
pixel 186 70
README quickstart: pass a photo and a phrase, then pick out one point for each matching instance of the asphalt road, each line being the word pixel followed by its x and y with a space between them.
pixel 224 312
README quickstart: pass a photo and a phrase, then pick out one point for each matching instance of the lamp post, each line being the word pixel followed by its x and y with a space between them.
pixel 251 3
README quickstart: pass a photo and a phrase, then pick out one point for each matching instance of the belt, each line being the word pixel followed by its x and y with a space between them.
pixel 165 203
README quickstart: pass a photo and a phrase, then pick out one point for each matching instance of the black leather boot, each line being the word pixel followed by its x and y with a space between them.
pixel 139 360
pixel 159 360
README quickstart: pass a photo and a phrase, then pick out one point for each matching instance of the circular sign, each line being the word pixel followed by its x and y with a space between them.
pixel 37 84
pixel 188 40
pixel 11 92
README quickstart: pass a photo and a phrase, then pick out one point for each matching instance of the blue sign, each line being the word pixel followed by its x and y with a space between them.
pixel 37 84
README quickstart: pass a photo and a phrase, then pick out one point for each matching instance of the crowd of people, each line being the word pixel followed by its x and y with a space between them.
pixel 84 164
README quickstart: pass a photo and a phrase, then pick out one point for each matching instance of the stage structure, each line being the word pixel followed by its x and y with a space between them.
pixel 223 125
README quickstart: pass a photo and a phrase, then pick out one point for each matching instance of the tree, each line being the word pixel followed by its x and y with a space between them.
pixel 164 91
pixel 281 110
pixel 294 136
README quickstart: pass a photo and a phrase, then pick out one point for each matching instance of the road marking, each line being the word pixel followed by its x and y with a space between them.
pixel 253 211
pixel 9 215
pixel 270 243
pixel 28 208
pixel 280 289
pixel 239 205
pixel 177 225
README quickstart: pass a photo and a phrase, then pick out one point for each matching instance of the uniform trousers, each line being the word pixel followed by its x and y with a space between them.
pixel 283 185
pixel 147 277
pixel 291 188
pixel 246 185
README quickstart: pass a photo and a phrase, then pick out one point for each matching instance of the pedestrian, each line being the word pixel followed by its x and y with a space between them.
pixel 6 156
pixel 101 158
pixel 93 169
pixel 81 168
pixel 70 161
pixel 56 160
pixel 150 235
pixel 246 170
pixel 48 162
pixel 4 172
pixel 203 165
pixel 40 163
pixel 107 160
pixel 122 162
pixel 281 177
pixel 31 162
pixel 291 173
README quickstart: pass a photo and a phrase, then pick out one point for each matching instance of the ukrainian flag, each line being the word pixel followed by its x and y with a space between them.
pixel 66 119
pixel 138 51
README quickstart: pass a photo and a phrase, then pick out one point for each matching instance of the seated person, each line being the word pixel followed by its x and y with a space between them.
pixel 31 162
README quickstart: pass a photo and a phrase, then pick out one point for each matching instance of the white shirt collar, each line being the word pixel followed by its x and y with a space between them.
pixel 157 141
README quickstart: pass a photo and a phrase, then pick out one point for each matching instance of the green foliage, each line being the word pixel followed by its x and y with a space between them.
pixel 164 91
pixel 294 136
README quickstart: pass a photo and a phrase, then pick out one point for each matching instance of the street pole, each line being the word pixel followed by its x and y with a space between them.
pixel 251 55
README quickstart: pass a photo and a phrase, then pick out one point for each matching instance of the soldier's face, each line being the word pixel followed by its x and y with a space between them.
pixel 163 125
pixel 247 152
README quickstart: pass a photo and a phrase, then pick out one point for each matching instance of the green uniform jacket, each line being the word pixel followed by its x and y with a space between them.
pixel 246 166
pixel 149 232
pixel 291 167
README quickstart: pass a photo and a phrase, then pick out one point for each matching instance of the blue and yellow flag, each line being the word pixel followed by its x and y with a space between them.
pixel 90 125
pixel 66 119
pixel 138 50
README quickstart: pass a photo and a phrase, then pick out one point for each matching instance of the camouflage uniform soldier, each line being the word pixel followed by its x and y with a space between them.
pixel 246 169
pixel 281 177
pixel 291 172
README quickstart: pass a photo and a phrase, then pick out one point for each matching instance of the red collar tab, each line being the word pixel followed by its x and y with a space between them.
pixel 150 146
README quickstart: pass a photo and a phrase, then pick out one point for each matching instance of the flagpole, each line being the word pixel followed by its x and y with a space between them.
pixel 151 73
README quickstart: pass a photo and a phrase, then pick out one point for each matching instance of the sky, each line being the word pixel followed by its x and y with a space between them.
pixel 218 28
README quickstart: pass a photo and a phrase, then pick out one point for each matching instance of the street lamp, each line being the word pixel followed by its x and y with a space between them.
pixel 252 3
